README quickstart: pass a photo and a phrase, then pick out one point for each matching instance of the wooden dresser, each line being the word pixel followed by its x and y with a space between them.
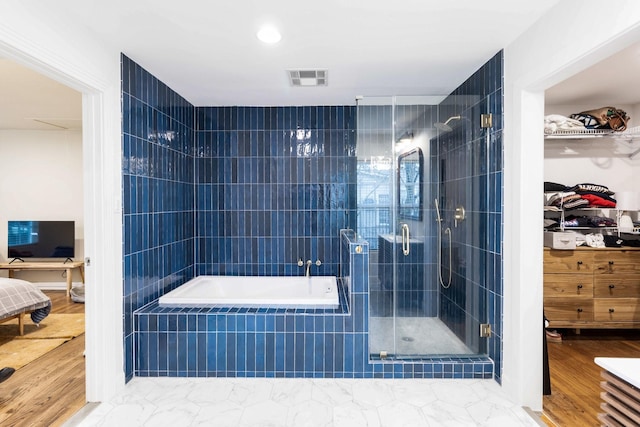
pixel 592 287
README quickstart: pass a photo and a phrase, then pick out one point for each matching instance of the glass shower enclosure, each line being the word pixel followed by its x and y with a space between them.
pixel 423 301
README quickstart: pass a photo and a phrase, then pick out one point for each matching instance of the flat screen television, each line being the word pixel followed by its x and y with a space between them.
pixel 41 239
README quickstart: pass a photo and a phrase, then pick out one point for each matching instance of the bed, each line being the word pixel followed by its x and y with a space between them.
pixel 19 297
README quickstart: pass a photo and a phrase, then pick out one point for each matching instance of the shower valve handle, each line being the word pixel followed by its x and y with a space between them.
pixel 300 262
pixel 318 262
pixel 459 215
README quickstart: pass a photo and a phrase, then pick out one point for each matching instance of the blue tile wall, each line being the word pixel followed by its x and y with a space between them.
pixel 273 185
pixel 468 162
pixel 300 343
pixel 237 190
pixel 157 188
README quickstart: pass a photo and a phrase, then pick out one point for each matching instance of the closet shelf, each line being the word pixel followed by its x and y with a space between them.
pixel 636 230
pixel 578 134
pixel 578 209
pixel 629 135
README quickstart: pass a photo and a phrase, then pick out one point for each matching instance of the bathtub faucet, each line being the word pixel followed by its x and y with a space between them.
pixel 307 271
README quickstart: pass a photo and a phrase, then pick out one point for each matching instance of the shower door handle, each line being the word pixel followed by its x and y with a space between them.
pixel 405 239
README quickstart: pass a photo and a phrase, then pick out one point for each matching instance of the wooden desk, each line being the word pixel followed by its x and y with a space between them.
pixel 52 266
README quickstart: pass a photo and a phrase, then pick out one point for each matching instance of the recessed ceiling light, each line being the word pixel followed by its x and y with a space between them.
pixel 269 35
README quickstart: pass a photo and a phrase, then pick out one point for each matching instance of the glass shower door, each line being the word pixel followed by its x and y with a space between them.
pixel 409 293
pixel 405 162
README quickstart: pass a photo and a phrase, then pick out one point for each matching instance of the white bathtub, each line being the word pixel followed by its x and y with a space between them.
pixel 255 292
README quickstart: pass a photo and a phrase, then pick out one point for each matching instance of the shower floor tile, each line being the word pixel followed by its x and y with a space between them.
pixel 307 402
pixel 414 336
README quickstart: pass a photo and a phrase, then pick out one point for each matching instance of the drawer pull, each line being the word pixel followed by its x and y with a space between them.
pixel 611 310
pixel 580 286
pixel 610 266
pixel 612 286
pixel 579 262
pixel 579 310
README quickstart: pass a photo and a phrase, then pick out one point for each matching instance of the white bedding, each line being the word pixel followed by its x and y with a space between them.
pixel 18 296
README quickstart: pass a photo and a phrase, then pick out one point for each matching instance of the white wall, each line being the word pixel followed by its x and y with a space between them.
pixel 41 180
pixel 571 37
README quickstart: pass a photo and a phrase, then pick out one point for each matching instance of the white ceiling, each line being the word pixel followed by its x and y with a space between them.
pixel 29 100
pixel 613 81
pixel 208 52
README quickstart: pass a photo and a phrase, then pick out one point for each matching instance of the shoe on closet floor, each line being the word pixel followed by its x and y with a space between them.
pixel 553 336
pixel 5 373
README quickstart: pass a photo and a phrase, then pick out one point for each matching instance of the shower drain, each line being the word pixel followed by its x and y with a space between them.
pixel 407 339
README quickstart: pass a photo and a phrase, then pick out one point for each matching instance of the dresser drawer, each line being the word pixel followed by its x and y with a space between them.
pixel 573 309
pixel 614 262
pixel 616 310
pixel 616 286
pixel 575 262
pixel 568 285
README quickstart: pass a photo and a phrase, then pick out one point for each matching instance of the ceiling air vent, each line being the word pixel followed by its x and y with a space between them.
pixel 308 77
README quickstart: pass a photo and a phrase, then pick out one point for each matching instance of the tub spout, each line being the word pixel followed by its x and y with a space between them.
pixel 308 268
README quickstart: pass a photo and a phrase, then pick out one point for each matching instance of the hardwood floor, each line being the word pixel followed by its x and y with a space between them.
pixel 575 378
pixel 49 390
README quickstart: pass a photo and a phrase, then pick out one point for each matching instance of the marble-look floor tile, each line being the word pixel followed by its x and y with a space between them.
pixel 262 402
pixel 291 392
pixel 400 414
pixel 266 413
pixel 334 392
pixel 373 393
pixel 311 414
pixel 353 415
pixel 221 414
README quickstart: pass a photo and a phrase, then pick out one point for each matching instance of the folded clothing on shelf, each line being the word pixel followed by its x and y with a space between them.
pixel 587 221
pixel 595 240
pixel 555 122
pixel 579 196
pixel 599 201
pixel 554 187
pixel 587 188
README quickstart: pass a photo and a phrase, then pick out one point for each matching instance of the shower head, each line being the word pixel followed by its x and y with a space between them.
pixel 444 127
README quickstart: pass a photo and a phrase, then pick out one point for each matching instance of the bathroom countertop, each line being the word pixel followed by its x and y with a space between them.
pixel 627 368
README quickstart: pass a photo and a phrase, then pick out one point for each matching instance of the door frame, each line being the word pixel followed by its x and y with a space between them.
pixel 529 71
pixel 102 196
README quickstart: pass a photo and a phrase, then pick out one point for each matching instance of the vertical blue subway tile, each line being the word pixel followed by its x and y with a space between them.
pixel 172 351
pixel 163 184
pixel 319 355
pixel 162 352
pixel 260 352
pixel 231 350
pixel 299 352
pixel 280 352
pixel 221 350
pixel 309 352
pixel 289 353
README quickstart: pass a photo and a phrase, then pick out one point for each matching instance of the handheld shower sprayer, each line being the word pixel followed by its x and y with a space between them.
pixel 446 231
